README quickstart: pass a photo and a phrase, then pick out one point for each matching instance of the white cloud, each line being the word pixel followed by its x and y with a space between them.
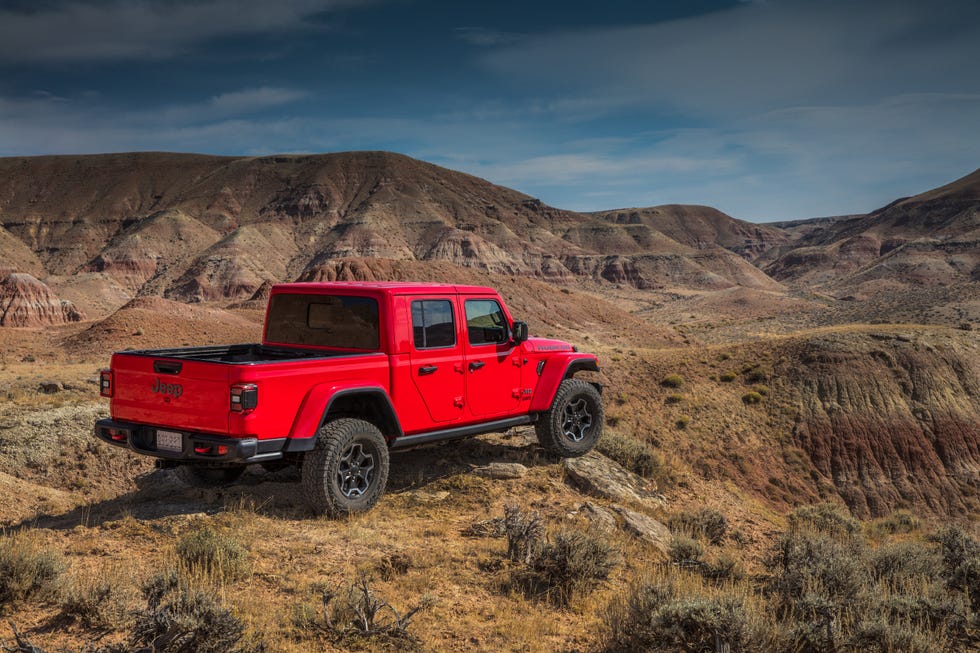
pixel 100 30
pixel 758 56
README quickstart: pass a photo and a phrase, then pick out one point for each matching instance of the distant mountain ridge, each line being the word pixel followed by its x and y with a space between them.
pixel 928 240
pixel 195 227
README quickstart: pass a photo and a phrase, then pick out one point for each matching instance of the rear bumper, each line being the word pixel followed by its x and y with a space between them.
pixel 194 447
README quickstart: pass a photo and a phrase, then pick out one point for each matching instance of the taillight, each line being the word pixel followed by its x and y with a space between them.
pixel 244 396
pixel 105 383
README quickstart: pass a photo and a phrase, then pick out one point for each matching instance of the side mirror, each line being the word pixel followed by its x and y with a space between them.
pixel 519 329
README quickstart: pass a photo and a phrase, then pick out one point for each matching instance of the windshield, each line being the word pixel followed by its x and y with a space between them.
pixel 336 321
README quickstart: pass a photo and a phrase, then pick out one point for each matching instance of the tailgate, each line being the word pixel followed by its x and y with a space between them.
pixel 183 394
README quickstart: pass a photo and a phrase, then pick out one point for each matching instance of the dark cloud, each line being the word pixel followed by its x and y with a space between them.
pixel 104 30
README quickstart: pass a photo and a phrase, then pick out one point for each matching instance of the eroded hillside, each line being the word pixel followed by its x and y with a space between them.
pixel 200 228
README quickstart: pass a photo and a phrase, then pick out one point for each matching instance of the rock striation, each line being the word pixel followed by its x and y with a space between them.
pixel 27 302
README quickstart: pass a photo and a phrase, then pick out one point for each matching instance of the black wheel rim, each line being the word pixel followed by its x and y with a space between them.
pixel 356 471
pixel 576 420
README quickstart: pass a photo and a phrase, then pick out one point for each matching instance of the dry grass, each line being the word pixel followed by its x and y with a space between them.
pixel 412 545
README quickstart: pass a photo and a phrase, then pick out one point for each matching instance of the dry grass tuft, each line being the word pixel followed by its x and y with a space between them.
pixel 27 568
pixel 214 553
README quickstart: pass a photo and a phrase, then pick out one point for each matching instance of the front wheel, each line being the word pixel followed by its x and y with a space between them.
pixel 347 471
pixel 573 424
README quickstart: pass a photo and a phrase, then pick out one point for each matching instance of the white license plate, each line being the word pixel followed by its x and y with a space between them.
pixel 170 441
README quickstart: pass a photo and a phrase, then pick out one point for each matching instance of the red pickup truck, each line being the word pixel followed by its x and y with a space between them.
pixel 345 373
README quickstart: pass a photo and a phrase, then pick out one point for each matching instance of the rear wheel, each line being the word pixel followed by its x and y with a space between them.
pixel 204 476
pixel 347 471
pixel 573 424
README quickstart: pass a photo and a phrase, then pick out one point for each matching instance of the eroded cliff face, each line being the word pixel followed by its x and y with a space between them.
pixel 27 302
pixel 891 419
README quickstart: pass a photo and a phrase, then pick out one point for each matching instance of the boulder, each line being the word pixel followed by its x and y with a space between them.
pixel 599 476
pixel 645 528
pixel 600 517
pixel 501 471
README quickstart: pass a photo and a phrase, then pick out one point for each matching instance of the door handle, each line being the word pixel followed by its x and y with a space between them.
pixel 475 365
pixel 428 369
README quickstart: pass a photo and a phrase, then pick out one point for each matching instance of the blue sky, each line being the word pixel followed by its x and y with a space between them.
pixel 766 110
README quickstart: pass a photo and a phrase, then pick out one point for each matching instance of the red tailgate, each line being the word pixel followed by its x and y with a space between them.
pixel 180 394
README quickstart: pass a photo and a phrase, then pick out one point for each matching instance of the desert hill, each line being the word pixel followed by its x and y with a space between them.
pixel 702 227
pixel 203 228
pixel 929 240
pixel 27 302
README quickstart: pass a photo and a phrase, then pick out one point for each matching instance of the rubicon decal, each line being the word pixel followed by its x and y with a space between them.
pixel 163 388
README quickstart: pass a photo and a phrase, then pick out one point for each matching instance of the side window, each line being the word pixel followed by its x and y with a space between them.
pixel 432 324
pixel 485 322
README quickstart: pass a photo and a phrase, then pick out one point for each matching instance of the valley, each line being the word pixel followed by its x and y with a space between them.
pixel 754 369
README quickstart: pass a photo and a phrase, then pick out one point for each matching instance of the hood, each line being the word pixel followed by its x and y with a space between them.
pixel 546 345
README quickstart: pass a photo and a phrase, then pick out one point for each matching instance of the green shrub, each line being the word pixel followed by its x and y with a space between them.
pixel 881 636
pixel 215 553
pixel 685 550
pixel 728 377
pixel 706 522
pixel 756 374
pixel 828 518
pixel 682 421
pixel 358 617
pixel 672 381
pixel 934 609
pixel 674 399
pixel 181 619
pixel 638 457
pixel 97 602
pixel 723 567
pixel 27 569
pixel 900 521
pixel 961 561
pixel 569 562
pixel 572 562
pixel 898 564
pixel 653 617
pixel 751 398
pixel 761 389
pixel 807 566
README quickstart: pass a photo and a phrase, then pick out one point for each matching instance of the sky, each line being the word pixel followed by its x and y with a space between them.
pixel 767 110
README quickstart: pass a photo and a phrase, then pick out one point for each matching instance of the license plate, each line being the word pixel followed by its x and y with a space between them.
pixel 170 441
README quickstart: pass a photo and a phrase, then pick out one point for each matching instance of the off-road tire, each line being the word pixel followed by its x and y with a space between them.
pixel 573 424
pixel 347 471
pixel 204 476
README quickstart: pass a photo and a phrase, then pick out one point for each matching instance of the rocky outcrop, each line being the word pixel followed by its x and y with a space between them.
pixel 645 528
pixel 501 471
pixel 599 476
pixel 889 419
pixel 27 302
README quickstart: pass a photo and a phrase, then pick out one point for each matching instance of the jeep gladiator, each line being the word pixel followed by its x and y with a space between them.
pixel 346 373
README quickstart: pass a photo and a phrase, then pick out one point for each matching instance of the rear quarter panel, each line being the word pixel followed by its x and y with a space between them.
pixel 292 396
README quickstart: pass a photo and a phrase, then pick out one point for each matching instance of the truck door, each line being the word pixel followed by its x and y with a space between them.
pixel 493 363
pixel 437 359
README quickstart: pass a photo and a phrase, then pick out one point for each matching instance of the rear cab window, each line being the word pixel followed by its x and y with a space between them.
pixel 330 321
pixel 433 324
pixel 486 323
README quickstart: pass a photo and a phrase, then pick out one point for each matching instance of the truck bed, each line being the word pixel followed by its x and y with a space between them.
pixel 252 354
